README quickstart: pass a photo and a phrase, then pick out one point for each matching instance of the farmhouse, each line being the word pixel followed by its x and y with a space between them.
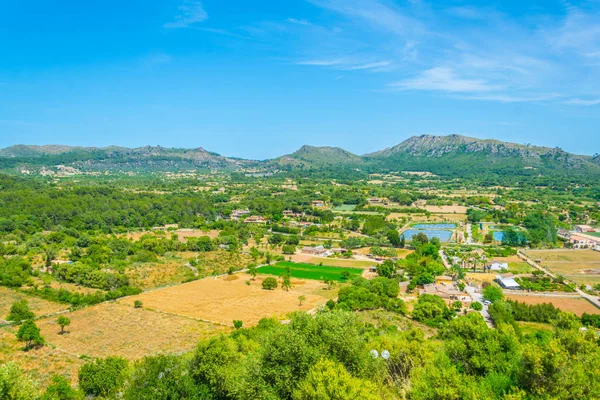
pixel 315 251
pixel 445 291
pixel 498 265
pixel 236 214
pixel 339 250
pixel 507 282
pixel 318 203
pixel 255 219
pixel 584 229
pixel 583 242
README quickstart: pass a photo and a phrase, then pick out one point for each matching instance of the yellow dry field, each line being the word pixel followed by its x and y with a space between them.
pixel 118 329
pixel 40 364
pixel 38 306
pixel 574 305
pixel 182 234
pixel 446 209
pixel 580 266
pixel 480 277
pixel 156 274
pixel 229 298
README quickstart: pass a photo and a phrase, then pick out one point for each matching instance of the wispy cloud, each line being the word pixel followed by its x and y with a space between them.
pixel 583 102
pixel 347 64
pixel 444 79
pixel 299 21
pixel 190 13
pixel 154 59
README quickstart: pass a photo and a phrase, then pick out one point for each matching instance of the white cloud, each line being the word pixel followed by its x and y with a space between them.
pixel 583 102
pixel 298 21
pixel 190 13
pixel 444 79
pixel 347 64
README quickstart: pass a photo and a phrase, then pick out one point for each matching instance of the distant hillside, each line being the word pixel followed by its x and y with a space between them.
pixel 452 155
pixel 116 158
pixel 463 155
pixel 318 157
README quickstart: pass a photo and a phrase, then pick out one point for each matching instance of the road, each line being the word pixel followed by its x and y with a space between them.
pixel 477 296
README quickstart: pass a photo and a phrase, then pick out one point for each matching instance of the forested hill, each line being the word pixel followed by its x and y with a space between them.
pixel 147 158
pixel 461 155
pixel 452 155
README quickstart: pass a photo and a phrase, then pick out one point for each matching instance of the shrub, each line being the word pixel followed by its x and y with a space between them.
pixel 20 312
pixel 477 306
pixel 137 304
pixel 30 334
pixel 237 324
pixel 269 284
pixel 103 377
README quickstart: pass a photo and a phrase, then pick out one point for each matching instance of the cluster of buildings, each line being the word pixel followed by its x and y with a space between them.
pixel 581 237
pixel 322 251
pixel 447 289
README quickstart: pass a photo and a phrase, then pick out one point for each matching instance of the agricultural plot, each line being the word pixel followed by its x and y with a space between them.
pixel 334 262
pixel 569 304
pixel 229 298
pixel 580 266
pixel 119 329
pixel 37 305
pixel 310 271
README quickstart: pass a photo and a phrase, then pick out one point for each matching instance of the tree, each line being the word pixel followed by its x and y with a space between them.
pixel 329 380
pixel 287 283
pixel 493 293
pixel 288 249
pixel 301 299
pixel 252 271
pixel 60 389
pixel 394 237
pixel 20 312
pixel 138 304
pixel 50 254
pixel 476 306
pixel 63 321
pixel 30 334
pixel 14 385
pixel 420 239
pixel 269 284
pixel 103 377
pixel 345 275
pixel 386 269
pixel 402 242
pixel 237 324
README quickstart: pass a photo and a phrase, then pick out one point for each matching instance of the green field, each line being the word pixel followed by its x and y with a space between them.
pixel 309 271
pixel 344 207
pixel 596 234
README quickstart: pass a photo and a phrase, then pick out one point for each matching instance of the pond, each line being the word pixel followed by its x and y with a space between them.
pixel 443 235
pixel 434 226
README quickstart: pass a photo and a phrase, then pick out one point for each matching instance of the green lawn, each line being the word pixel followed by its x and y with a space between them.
pixel 596 234
pixel 344 207
pixel 309 271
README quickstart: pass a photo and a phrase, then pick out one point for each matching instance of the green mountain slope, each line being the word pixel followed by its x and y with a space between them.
pixel 461 155
pixel 318 157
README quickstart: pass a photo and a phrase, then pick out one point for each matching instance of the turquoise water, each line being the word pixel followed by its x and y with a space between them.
pixel 434 226
pixel 443 235
pixel 498 236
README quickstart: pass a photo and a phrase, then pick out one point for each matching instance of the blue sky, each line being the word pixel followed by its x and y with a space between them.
pixel 259 79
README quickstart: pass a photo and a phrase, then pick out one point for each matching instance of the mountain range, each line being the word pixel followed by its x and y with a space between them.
pixel 443 155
